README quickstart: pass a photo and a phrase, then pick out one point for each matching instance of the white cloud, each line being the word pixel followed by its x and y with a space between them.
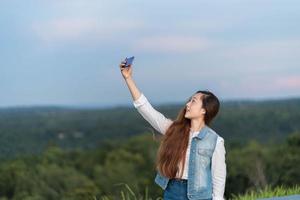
pixel 268 57
pixel 291 82
pixel 63 29
pixel 87 29
pixel 171 44
pixel 265 50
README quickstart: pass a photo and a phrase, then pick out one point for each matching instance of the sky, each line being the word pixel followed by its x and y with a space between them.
pixel 64 52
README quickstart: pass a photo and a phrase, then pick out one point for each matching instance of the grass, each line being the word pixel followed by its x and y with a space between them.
pixel 128 194
pixel 267 192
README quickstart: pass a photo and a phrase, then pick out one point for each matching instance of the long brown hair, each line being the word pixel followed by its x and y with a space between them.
pixel 172 149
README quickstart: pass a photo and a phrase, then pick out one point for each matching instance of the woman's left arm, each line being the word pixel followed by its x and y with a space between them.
pixel 219 170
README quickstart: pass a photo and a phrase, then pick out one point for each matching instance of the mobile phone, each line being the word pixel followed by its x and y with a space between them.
pixel 128 61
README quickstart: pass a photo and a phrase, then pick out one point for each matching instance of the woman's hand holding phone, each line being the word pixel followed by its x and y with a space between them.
pixel 126 70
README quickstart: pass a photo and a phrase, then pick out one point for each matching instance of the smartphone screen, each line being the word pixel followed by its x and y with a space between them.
pixel 129 61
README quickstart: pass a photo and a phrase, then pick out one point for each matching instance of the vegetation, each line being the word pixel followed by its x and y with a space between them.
pixel 62 154
pixel 104 172
pixel 73 128
pixel 269 192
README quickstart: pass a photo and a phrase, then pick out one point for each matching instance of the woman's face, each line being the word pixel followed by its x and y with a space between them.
pixel 194 108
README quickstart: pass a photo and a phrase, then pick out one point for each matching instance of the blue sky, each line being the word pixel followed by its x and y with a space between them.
pixel 67 52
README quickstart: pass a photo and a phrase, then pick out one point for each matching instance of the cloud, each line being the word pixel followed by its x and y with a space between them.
pixel 268 57
pixel 271 83
pixel 267 49
pixel 291 82
pixel 87 29
pixel 63 29
pixel 172 44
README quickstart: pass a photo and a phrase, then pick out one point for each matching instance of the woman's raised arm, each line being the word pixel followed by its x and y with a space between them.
pixel 157 120
pixel 127 75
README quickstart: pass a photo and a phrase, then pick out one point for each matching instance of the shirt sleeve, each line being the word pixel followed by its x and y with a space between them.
pixel 219 170
pixel 156 119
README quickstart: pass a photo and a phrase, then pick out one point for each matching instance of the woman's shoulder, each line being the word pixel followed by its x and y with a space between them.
pixel 219 138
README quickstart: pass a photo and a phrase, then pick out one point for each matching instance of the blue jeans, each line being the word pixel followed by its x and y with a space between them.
pixel 176 190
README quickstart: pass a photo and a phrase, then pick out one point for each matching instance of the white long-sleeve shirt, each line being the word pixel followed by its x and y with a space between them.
pixel 159 122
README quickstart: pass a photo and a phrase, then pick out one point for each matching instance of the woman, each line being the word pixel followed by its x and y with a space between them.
pixel 191 157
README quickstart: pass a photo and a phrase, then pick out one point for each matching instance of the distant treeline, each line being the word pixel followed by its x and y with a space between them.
pixel 58 174
pixel 29 130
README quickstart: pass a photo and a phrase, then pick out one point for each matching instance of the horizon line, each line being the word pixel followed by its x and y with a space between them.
pixel 105 106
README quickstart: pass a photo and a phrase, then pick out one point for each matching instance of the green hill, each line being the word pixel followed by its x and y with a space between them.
pixel 30 129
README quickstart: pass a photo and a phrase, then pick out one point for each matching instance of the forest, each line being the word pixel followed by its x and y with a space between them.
pixel 79 153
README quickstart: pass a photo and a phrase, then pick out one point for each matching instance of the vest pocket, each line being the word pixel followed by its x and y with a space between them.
pixel 205 152
pixel 204 157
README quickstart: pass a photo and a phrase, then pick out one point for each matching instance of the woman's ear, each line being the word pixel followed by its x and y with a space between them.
pixel 203 111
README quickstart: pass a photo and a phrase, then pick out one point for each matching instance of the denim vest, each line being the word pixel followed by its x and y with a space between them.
pixel 199 184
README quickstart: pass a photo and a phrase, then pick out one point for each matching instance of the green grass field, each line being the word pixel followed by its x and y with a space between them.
pixel 128 194
pixel 268 193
